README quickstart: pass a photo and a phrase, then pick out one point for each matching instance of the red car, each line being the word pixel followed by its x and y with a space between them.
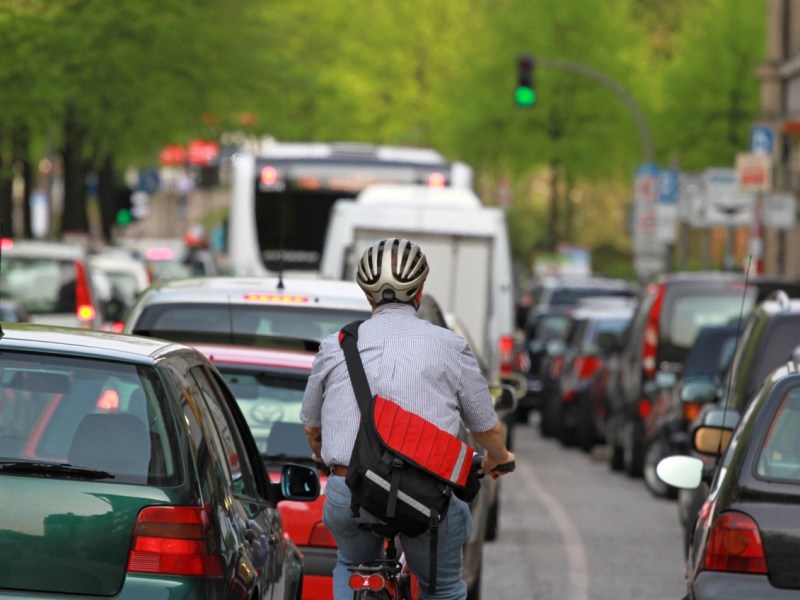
pixel 268 385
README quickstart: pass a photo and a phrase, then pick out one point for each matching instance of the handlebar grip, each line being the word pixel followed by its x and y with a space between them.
pixel 508 467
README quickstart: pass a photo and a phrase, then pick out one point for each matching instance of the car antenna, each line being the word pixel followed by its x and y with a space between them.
pixel 230 319
pixel 2 226
pixel 735 350
pixel 282 249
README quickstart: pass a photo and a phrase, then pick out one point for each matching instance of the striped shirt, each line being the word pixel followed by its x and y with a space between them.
pixel 426 369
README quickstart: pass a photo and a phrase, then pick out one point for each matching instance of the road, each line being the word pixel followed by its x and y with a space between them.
pixel 570 529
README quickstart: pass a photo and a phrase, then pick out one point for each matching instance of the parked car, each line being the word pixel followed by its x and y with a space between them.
pixel 768 340
pixel 128 470
pixel 550 302
pixel 666 427
pixel 673 309
pixel 129 274
pixel 745 541
pixel 51 282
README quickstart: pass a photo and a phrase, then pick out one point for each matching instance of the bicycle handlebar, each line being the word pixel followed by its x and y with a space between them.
pixel 477 460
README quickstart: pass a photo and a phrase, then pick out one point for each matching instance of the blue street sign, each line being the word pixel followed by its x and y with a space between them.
pixel 668 186
pixel 149 181
pixel 761 139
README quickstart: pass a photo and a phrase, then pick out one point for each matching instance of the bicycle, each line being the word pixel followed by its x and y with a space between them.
pixel 389 578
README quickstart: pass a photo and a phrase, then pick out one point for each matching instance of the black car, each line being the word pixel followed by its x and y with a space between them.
pixel 548 317
pixel 745 542
pixel 673 309
pixel 127 470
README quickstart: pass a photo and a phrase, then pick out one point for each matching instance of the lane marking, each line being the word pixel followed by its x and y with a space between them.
pixel 578 570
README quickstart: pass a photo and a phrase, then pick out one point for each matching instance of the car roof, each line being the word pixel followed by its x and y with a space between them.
pixel 244 290
pixel 83 342
pixel 249 355
pixel 43 249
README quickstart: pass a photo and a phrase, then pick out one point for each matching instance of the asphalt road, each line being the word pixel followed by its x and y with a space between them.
pixel 571 529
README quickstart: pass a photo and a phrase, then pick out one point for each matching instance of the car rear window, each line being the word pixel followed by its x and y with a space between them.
pixel 39 285
pixel 780 455
pixel 270 403
pixel 689 313
pixel 99 415
pixel 571 296
pixel 251 325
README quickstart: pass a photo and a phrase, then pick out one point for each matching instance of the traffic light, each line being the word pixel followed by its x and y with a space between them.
pixel 524 94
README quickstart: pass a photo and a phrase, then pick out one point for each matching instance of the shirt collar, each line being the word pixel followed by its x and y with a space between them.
pixel 395 308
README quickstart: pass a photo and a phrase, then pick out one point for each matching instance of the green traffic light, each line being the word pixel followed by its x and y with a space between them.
pixel 524 96
pixel 124 217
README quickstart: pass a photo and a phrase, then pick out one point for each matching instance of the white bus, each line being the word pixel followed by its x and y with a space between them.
pixel 282 196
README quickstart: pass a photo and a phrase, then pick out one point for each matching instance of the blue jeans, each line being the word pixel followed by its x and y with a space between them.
pixel 356 546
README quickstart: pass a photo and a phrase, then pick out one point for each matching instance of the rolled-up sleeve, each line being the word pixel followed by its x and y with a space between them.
pixel 311 411
pixel 477 405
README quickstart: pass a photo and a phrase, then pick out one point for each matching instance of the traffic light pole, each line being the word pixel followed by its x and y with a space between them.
pixel 570 66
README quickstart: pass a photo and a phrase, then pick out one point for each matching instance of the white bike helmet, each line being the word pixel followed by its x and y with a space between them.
pixel 392 271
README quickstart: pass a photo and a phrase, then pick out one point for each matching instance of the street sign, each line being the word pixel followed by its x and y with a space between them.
pixel 754 172
pixel 762 140
pixel 723 202
pixel 667 211
pixel 779 211
pixel 649 251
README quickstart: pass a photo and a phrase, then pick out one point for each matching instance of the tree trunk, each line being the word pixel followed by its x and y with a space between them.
pixel 74 218
pixel 20 155
pixel 6 179
pixel 553 236
pixel 106 182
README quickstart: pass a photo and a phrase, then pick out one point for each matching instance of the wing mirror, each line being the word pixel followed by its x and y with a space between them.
pixel 297 483
pixel 684 472
pixel 556 347
pixel 698 390
pixel 714 430
pixel 666 379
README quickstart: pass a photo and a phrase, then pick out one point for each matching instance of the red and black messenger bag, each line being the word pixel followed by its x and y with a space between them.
pixel 403 469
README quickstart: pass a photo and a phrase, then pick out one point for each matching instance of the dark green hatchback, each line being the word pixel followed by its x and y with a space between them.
pixel 128 471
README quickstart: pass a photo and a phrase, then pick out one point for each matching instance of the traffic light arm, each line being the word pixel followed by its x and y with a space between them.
pixel 570 66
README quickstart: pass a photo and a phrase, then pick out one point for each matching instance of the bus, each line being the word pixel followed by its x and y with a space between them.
pixel 283 193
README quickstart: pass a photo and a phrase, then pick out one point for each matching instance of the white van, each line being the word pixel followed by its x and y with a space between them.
pixel 466 244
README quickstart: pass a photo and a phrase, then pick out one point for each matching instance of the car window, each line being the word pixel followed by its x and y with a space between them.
pixel 780 455
pixel 227 438
pixel 270 403
pixel 99 415
pixel 40 286
pixel 571 296
pixel 246 325
pixel 690 313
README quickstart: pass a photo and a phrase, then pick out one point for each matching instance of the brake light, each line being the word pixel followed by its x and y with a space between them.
pixel 436 180
pixel 734 544
pixel 651 334
pixel 276 298
pixel 587 366
pixel 6 244
pixel 372 582
pixel 118 327
pixel 83 299
pixel 644 408
pixel 691 410
pixel 174 540
pixel 321 536
pixel 506 347
pixel 269 176
pixel 159 253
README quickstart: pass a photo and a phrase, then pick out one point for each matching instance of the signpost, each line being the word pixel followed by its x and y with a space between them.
pixel 648 249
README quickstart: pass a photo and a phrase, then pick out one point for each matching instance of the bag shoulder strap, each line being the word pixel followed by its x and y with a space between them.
pixel 348 339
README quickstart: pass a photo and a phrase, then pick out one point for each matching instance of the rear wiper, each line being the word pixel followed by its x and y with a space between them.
pixel 50 469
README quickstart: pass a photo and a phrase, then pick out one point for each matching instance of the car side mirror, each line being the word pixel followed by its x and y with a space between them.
pixel 298 483
pixel 666 379
pixel 714 431
pixel 698 390
pixel 516 382
pixel 556 347
pixel 680 471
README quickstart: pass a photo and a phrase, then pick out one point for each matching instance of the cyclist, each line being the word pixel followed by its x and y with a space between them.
pixel 426 369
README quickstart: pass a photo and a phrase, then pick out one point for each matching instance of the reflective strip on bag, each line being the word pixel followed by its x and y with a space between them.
pixel 402 496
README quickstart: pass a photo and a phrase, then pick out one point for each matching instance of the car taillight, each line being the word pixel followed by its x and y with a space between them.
pixel 734 545
pixel 372 582
pixel 651 334
pixel 174 540
pixel 587 366
pixel 691 410
pixel 321 536
pixel 645 407
pixel 506 347
pixel 83 299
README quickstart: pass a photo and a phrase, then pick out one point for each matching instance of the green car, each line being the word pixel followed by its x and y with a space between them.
pixel 128 471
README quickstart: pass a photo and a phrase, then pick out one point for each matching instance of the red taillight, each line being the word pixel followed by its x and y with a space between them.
pixel 83 299
pixel 173 540
pixel 118 327
pixel 6 244
pixel 645 407
pixel 437 180
pixel 321 536
pixel 506 347
pixel 372 582
pixel 734 544
pixel 587 366
pixel 691 410
pixel 651 334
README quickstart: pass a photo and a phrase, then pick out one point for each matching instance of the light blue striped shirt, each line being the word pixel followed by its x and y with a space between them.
pixel 426 369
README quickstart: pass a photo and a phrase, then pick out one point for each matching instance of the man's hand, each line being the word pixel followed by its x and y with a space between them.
pixel 489 464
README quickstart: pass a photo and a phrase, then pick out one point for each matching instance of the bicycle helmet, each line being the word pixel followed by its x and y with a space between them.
pixel 392 271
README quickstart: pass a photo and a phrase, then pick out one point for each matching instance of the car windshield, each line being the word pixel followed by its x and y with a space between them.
pixel 249 325
pixel 97 415
pixel 39 285
pixel 270 402
pixel 780 454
